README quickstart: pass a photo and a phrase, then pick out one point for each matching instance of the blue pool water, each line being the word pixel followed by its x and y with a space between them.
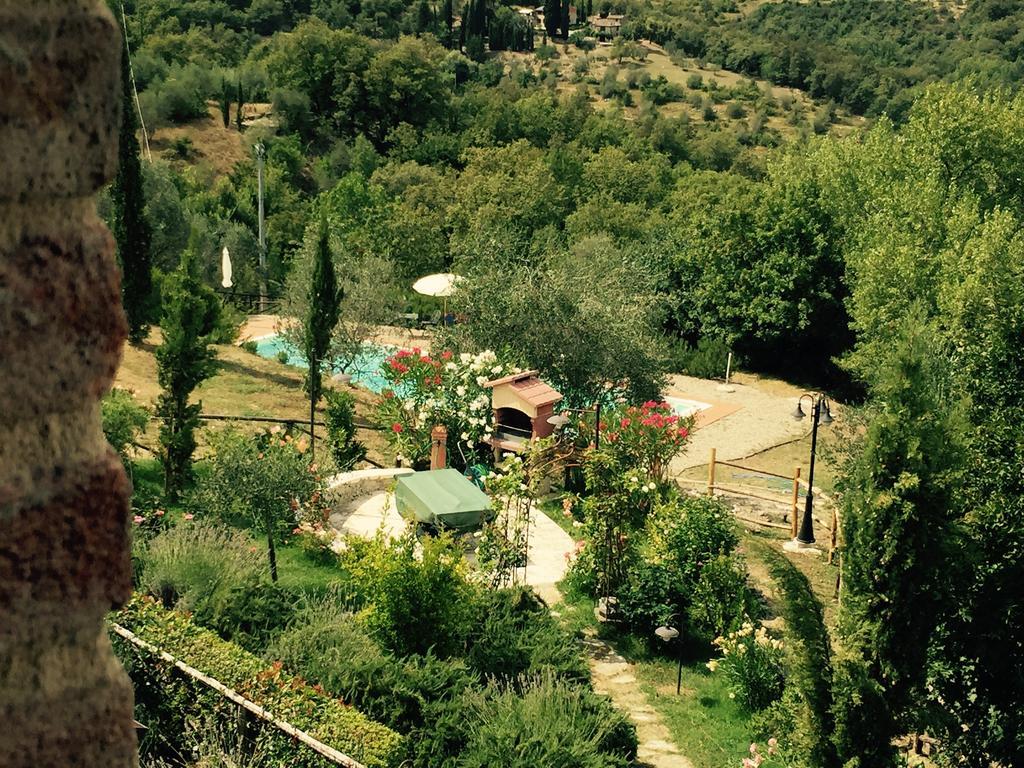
pixel 365 369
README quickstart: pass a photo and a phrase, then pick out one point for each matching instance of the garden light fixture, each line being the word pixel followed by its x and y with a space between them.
pixel 667 634
pixel 820 414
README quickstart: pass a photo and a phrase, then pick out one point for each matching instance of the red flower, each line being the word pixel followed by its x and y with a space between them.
pixel 624 423
pixel 446 355
pixel 404 353
pixel 683 432
pixel 396 427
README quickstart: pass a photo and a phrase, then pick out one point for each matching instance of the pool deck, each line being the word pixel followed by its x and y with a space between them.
pixel 260 326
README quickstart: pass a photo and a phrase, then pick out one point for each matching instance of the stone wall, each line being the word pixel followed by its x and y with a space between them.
pixel 64 699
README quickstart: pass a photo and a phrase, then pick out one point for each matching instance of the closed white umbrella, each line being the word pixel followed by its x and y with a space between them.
pixel 442 284
pixel 225 268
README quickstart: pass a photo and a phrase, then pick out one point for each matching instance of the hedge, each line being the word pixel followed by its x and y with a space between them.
pixel 166 696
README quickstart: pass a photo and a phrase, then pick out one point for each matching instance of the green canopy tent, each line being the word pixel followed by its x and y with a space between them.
pixel 443 498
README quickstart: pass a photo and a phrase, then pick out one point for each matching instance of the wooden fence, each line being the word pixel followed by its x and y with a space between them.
pixel 791 499
pixel 330 753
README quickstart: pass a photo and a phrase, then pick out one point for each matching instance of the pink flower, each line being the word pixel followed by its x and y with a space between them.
pixel 396 427
pixel 446 355
pixel 159 513
pixel 188 516
pixel 624 423
pixel 137 519
pixel 296 530
pixel 753 748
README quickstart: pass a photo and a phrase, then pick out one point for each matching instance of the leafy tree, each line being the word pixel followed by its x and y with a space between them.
pixel 324 302
pixel 131 229
pixel 581 333
pixel 184 360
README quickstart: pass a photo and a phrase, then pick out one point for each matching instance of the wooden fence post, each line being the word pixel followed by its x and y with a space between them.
pixel 711 474
pixel 796 499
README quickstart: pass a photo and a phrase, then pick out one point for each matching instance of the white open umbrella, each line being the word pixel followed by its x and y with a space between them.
pixel 442 284
pixel 225 267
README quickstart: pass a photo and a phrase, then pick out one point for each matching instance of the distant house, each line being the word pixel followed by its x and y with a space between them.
pixel 608 26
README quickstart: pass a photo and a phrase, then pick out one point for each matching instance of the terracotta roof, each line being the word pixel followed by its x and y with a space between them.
pixel 512 377
pixel 536 392
pixel 529 388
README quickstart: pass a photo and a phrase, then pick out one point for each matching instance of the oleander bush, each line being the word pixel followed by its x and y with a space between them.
pixel 166 698
pixel 752 662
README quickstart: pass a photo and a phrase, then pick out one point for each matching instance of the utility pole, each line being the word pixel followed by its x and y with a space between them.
pixel 261 155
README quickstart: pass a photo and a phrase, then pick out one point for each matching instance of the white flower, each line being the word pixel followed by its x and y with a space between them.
pixel 464 436
pixel 481 380
pixel 496 369
pixel 465 358
pixel 449 366
pixel 460 390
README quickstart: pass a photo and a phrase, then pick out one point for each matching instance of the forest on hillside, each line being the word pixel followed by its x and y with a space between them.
pixel 427 159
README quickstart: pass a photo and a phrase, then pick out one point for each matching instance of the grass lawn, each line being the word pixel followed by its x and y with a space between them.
pixel 244 385
pixel 705 724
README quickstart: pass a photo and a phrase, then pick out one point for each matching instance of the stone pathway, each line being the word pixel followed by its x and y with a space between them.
pixel 614 676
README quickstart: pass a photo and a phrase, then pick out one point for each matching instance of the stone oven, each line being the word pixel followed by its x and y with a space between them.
pixel 522 405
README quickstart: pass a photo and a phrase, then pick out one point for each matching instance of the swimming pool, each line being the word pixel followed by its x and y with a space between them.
pixel 365 369
pixel 685 408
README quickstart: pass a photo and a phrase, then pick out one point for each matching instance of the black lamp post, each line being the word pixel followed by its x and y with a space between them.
pixel 667 634
pixel 820 413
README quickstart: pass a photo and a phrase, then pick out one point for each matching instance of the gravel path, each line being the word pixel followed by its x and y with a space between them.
pixel 763 419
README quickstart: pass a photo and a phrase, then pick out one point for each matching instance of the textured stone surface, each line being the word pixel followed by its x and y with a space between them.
pixel 64 699
pixel 58 122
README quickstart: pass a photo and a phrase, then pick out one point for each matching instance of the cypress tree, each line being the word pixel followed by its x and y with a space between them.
pixel 184 360
pixel 225 103
pixel 898 530
pixel 131 230
pixel 424 17
pixel 552 16
pixel 565 18
pixel 240 98
pixel 449 20
pixel 321 318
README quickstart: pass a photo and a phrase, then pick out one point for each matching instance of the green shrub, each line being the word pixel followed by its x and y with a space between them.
pixel 282 357
pixel 735 111
pixel 217 574
pixel 250 346
pixel 707 360
pixel 513 633
pixel 418 601
pixel 339 417
pixel 721 597
pixel 263 480
pixel 683 539
pixel 753 664
pixel 166 699
pixel 695 82
pixel 229 325
pixel 123 420
pixel 550 723
pixel 328 645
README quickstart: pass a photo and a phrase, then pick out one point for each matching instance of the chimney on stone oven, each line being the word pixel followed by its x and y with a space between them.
pixel 438 447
